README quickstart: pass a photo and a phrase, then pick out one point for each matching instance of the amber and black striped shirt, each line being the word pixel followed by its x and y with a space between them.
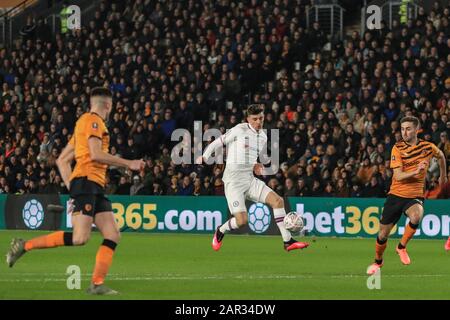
pixel 89 125
pixel 407 157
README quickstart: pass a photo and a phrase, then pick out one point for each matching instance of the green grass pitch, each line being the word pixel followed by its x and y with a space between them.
pixel 182 266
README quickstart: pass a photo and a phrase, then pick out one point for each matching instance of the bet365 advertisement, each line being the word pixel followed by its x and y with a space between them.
pixel 164 214
pixel 350 217
pixel 340 217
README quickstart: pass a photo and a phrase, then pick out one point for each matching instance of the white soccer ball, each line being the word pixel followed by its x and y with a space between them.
pixel 259 217
pixel 293 222
pixel 33 214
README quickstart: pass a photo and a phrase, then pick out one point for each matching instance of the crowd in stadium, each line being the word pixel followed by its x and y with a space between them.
pixel 170 63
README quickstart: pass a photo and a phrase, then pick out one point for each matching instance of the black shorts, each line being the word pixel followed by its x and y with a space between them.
pixel 88 197
pixel 395 206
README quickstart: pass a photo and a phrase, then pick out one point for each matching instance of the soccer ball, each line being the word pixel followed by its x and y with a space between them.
pixel 293 222
pixel 259 217
pixel 33 214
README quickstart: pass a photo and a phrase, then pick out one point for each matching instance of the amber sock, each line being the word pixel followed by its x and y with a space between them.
pixel 103 261
pixel 55 239
pixel 410 230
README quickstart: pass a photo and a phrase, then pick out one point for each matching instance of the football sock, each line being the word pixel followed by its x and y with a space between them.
pixel 380 246
pixel 103 261
pixel 219 235
pixel 410 230
pixel 229 225
pixel 291 241
pixel 279 214
pixel 55 239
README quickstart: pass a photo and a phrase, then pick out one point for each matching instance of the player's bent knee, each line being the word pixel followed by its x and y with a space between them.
pixel 279 202
pixel 275 201
pixel 415 219
pixel 241 222
pixel 415 216
pixel 80 240
pixel 415 210
pixel 115 237
pixel 383 234
pixel 241 219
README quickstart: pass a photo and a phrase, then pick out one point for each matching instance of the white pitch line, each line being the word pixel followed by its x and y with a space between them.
pixel 196 278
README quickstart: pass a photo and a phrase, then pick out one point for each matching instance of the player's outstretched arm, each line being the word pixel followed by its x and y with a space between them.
pixel 97 154
pixel 400 175
pixel 64 163
pixel 210 149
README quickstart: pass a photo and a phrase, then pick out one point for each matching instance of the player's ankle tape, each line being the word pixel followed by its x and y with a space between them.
pixel 68 238
pixel 413 226
pixel 110 244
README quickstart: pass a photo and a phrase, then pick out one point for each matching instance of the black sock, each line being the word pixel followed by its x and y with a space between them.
pixel 110 244
pixel 381 241
pixel 68 238
pixel 290 241
pixel 378 261
pixel 219 234
pixel 413 226
pixel 400 246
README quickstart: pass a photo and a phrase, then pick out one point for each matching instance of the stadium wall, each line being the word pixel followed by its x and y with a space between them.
pixel 340 217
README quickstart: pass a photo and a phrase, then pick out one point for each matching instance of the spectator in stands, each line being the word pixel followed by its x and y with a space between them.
pixel 289 188
pixel 137 185
pixel 173 187
pixel 186 188
pixel 335 109
pixel 124 186
pixel 444 144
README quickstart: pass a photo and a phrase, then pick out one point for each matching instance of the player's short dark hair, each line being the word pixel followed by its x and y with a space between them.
pixel 101 92
pixel 254 109
pixel 412 119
